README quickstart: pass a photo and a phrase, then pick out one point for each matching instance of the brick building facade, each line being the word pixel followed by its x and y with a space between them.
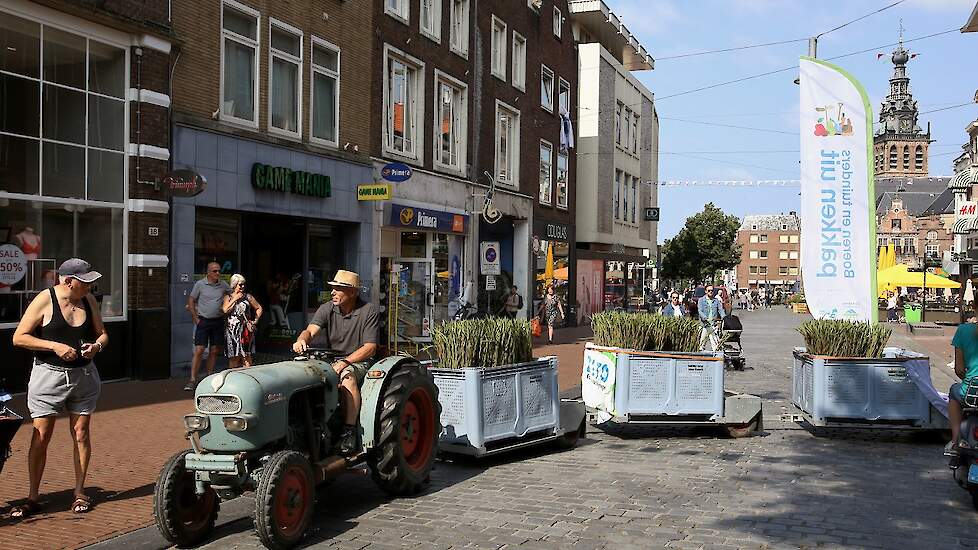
pixel 770 252
pixel 85 183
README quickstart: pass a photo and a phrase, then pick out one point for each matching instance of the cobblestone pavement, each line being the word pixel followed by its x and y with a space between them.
pixel 661 488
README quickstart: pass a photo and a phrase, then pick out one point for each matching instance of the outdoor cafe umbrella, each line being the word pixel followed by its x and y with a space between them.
pixel 969 293
pixel 881 261
pixel 890 255
pixel 900 275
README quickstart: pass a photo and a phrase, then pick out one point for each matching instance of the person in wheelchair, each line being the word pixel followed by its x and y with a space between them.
pixel 351 327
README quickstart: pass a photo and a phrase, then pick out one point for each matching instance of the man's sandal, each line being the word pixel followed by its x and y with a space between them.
pixel 25 510
pixel 82 504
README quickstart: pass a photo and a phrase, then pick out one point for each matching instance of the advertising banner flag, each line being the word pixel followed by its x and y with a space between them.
pixel 838 218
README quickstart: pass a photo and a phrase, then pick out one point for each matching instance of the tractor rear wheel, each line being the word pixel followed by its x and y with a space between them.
pixel 284 500
pixel 408 429
pixel 183 517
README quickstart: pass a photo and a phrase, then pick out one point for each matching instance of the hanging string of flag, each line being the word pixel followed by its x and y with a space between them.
pixel 727 183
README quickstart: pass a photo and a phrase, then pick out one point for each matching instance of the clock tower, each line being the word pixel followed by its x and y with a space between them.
pixel 899 144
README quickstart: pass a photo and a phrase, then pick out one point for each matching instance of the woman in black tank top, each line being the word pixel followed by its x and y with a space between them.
pixel 58 330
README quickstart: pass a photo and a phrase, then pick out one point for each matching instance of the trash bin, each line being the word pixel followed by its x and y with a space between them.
pixel 912 312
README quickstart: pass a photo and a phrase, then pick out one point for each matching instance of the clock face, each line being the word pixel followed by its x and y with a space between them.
pixel 905 125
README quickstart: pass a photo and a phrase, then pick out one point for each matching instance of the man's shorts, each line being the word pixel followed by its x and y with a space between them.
pixel 359 370
pixel 209 330
pixel 53 389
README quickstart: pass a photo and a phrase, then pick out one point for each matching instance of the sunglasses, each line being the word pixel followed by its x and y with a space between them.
pixel 215 271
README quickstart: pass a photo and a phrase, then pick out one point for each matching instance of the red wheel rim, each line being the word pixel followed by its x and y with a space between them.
pixel 193 510
pixel 291 500
pixel 417 429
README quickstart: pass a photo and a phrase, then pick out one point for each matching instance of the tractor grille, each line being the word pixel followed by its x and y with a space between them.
pixel 218 404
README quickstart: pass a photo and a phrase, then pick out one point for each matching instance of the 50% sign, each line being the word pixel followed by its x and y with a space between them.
pixel 13 265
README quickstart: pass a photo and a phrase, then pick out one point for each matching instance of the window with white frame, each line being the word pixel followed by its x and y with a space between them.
pixel 618 176
pixel 792 271
pixel 431 19
pixel 783 255
pixel 498 59
pixel 546 172
pixel 762 270
pixel 618 110
pixel 783 270
pixel 626 127
pixel 794 239
pixel 783 239
pixel 763 254
pixel 558 22
pixel 624 197
pixel 547 88
pixel 561 179
pixel 793 255
pixel 931 249
pixel 450 130
pixel 634 132
pixel 519 61
pixel 239 61
pixel 753 254
pixel 284 88
pixel 63 141
pixel 563 96
pixel 634 197
pixel 325 93
pixel 403 109
pixel 753 270
pixel 459 28
pixel 507 144
pixel 399 9
pixel 753 238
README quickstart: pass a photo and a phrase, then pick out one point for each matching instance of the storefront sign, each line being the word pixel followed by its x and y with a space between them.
pixel 184 183
pixel 430 220
pixel 652 214
pixel 396 171
pixel 489 258
pixel 968 209
pixel 13 265
pixel 556 232
pixel 286 180
pixel 374 192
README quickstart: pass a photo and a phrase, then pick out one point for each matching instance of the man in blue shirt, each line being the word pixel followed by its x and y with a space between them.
pixel 965 344
pixel 710 311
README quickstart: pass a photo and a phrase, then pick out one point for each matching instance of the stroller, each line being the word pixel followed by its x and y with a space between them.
pixel 733 353
pixel 9 423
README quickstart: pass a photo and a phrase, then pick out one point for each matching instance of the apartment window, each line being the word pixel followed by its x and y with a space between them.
pixel 459 29
pixel 325 86
pixel 753 270
pixel 546 172
pixel 618 176
pixel 431 19
pixel 558 22
pixel 931 249
pixel 618 110
pixel 450 128
pixel 634 132
pixel 763 254
pixel 753 238
pixel 519 61
pixel 753 254
pixel 626 127
pixel 399 9
pixel 762 270
pixel 783 239
pixel 763 238
pixel 793 255
pixel 634 197
pixel 896 224
pixel 563 96
pixel 239 61
pixel 783 270
pixel 624 197
pixel 792 271
pixel 753 227
pixel 403 104
pixel 498 67
pixel 783 255
pixel 547 88
pixel 284 89
pixel 794 239
pixel 562 175
pixel 507 144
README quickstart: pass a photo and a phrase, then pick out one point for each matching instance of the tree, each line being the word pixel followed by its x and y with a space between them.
pixel 704 246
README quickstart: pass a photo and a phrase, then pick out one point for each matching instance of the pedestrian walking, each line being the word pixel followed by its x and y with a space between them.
pixel 710 311
pixel 69 334
pixel 242 311
pixel 675 307
pixel 512 304
pixel 551 306
pixel 205 306
pixel 891 304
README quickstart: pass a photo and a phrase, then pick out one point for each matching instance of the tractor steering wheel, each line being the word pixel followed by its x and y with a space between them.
pixel 322 354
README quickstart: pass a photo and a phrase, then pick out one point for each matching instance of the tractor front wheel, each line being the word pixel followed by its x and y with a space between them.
pixel 183 517
pixel 408 429
pixel 284 500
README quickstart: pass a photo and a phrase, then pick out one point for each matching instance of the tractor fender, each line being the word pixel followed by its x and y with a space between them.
pixel 371 393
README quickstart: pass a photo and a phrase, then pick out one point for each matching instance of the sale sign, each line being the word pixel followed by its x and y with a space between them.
pixel 13 265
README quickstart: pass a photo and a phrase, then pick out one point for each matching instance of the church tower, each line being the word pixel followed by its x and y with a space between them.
pixel 899 144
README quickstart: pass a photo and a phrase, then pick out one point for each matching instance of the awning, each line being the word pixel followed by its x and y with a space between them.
pixel 963 180
pixel 964 226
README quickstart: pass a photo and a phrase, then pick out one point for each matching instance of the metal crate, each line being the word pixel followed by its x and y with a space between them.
pixel 846 390
pixel 481 406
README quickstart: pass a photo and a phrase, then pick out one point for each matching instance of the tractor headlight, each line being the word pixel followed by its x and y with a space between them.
pixel 195 422
pixel 235 423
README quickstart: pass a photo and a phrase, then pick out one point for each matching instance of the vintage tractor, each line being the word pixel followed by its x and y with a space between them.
pixel 274 430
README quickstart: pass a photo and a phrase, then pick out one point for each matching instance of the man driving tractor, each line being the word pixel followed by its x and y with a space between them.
pixel 351 330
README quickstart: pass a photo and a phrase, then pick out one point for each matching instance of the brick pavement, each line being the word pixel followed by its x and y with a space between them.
pixel 631 487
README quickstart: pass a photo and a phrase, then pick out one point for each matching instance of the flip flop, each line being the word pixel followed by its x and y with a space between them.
pixel 82 505
pixel 25 510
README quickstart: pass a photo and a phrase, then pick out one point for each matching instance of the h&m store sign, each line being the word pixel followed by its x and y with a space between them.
pixel 424 219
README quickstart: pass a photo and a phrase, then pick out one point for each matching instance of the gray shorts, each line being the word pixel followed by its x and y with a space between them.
pixel 54 389
pixel 358 370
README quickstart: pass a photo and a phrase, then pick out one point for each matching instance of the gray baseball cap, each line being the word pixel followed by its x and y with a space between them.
pixel 78 268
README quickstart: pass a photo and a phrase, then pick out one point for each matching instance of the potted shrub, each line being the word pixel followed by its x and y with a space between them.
pixel 798 304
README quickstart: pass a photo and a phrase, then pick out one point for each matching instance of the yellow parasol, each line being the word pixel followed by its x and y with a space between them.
pixel 899 275
pixel 881 259
pixel 548 270
pixel 891 255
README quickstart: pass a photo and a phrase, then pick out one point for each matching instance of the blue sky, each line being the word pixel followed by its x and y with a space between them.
pixel 942 75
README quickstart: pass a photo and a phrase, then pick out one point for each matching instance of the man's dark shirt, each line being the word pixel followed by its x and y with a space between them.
pixel 347 333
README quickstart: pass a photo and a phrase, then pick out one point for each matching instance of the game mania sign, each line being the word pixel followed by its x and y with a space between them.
pixel 838 220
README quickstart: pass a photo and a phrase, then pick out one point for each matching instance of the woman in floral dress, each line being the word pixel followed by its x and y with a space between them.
pixel 243 312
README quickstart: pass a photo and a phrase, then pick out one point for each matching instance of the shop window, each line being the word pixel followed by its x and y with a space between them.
pixel 399 9
pixel 547 88
pixel 325 85
pixel 498 58
pixel 794 239
pixel 558 22
pixel 563 96
pixel 239 59
pixel 78 151
pixel 431 19
pixel 284 88
pixel 519 61
pixel 404 105
pixel 414 244
pixel 618 176
pixel 216 240
pixel 555 275
pixel 48 233
pixel 452 122
pixel 459 31
pixel 562 175
pixel 507 144
pixel 546 172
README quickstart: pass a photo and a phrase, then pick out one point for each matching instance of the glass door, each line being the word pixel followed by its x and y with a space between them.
pixel 414 298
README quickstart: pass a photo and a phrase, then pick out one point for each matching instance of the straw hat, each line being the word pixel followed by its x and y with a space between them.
pixel 345 279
